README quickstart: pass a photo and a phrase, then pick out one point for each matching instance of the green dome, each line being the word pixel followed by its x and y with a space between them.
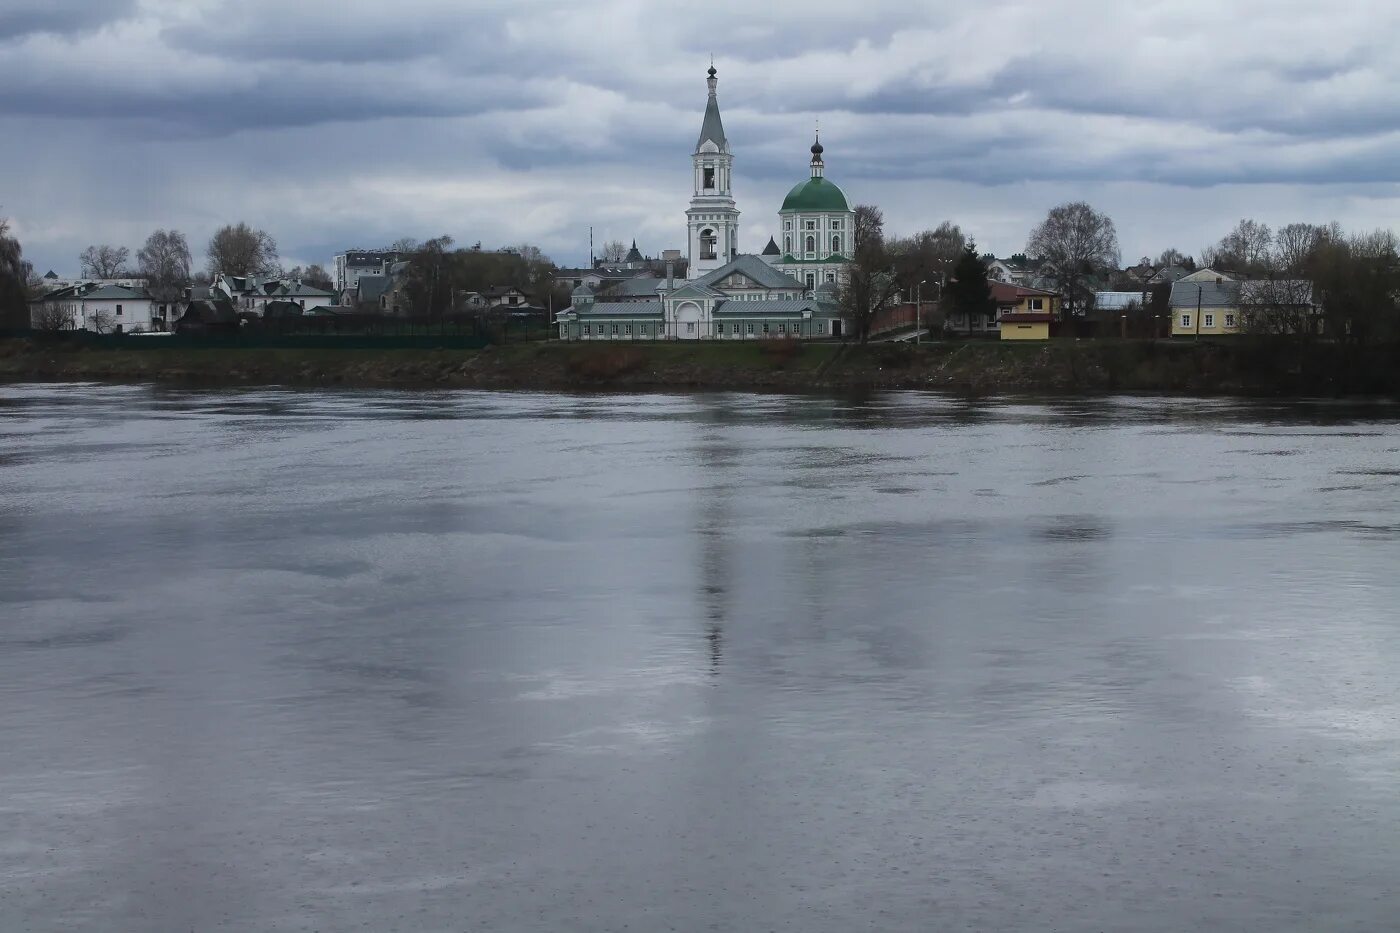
pixel 815 194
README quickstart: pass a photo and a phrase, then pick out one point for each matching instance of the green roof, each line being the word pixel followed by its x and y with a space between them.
pixel 815 194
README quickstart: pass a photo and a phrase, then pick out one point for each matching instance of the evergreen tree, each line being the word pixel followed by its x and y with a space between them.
pixel 969 292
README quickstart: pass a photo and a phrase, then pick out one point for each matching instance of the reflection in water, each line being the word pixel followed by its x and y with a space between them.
pixel 283 660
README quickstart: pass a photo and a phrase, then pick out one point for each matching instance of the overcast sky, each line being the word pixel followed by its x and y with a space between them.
pixel 342 123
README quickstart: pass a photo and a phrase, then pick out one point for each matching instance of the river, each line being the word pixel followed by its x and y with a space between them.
pixel 283 660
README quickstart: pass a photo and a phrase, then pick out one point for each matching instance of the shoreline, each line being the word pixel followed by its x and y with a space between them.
pixel 1065 367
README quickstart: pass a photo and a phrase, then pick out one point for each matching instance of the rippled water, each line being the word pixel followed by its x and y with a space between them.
pixel 274 660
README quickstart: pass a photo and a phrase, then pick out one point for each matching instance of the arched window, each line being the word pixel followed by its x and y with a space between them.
pixel 811 244
pixel 787 244
pixel 836 244
pixel 707 244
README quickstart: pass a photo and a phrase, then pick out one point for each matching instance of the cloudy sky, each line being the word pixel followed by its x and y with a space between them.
pixel 339 123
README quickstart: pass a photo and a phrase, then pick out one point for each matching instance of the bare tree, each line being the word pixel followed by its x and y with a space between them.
pixel 104 262
pixel 1244 249
pixel 54 315
pixel 928 256
pixel 1278 306
pixel 405 244
pixel 1295 245
pixel 314 275
pixel 165 264
pixel 14 275
pixel 102 322
pixel 239 249
pixel 870 283
pixel 613 251
pixel 1173 257
pixel 1075 241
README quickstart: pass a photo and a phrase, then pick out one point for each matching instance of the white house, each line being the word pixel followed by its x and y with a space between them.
pixel 114 309
pixel 254 292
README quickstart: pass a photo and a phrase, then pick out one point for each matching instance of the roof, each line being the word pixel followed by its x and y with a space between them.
pixel 1207 275
pixel 1186 294
pixel 641 285
pixel 772 248
pixel 712 128
pixel 371 287
pixel 633 255
pixel 1115 301
pixel 771 306
pixel 754 268
pixel 620 309
pixel 1010 293
pixel 116 293
pixel 1028 318
pixel 815 194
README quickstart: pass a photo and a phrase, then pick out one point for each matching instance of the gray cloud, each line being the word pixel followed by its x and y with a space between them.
pixel 24 17
pixel 346 121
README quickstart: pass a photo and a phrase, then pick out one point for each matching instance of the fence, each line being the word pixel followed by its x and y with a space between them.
pixel 347 332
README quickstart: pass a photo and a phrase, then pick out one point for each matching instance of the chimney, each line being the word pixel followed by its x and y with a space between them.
pixel 670 274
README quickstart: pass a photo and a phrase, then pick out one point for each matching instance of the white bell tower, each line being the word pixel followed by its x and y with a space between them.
pixel 712 219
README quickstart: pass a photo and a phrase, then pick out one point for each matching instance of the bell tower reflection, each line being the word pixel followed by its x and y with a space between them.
pixel 717 456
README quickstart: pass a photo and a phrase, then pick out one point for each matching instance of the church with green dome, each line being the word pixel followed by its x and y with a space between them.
pixel 787 292
pixel 817 225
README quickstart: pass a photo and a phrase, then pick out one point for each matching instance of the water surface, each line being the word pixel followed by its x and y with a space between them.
pixel 276 660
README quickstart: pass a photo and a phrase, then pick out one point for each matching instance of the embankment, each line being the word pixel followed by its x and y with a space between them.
pixel 1062 366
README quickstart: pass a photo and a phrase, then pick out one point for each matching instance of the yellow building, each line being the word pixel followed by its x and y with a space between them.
pixel 1025 313
pixel 1205 303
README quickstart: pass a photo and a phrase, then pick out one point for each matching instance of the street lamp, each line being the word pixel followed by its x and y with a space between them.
pixel 919 310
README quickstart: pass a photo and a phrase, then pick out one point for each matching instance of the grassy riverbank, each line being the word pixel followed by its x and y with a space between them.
pixel 1231 366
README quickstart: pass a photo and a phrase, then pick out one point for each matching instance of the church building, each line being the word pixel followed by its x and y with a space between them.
pixel 788 291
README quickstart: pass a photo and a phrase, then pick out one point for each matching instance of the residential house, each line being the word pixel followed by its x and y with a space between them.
pixel 101 308
pixel 352 264
pixel 1206 302
pixel 254 292
pixel 1026 313
pixel 1216 304
pixel 1008 299
pixel 1019 270
pixel 505 296
pixel 208 317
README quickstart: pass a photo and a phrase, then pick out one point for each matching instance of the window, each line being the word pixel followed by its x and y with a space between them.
pixel 811 280
pixel 831 276
pixel 1186 320
pixel 587 330
pixel 1229 320
pixel 836 244
pixel 614 330
pixel 709 177
pixel 690 327
pixel 119 310
pixel 751 328
pixel 1208 320
pixel 787 225
pixel 707 244
pixel 627 330
pixel 787 244
pixel 782 328
pixel 811 244
pixel 765 327
pixel 1037 304
pixel 836 225
pixel 719 329
pixel 811 225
